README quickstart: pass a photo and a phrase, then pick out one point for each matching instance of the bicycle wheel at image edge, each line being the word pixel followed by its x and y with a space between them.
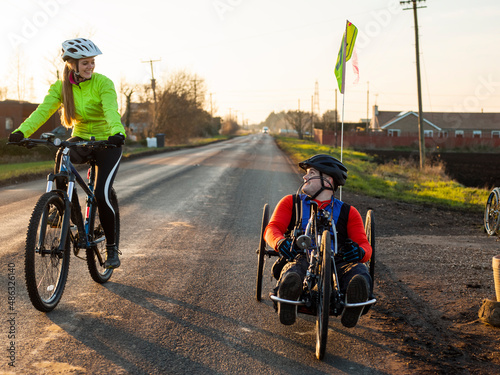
pixel 95 262
pixel 324 290
pixel 370 235
pixel 261 252
pixel 492 212
pixel 45 267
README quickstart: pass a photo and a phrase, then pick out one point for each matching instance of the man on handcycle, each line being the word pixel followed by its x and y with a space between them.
pixel 324 174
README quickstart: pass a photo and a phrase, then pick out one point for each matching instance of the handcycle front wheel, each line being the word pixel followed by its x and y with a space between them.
pixel 97 256
pixel 45 265
pixel 324 291
pixel 261 252
pixel 370 235
pixel 492 212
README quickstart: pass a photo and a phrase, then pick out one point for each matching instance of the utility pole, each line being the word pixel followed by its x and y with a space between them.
pixel 195 96
pixel 315 107
pixel 153 87
pixel 312 117
pixel 421 139
pixel 367 104
pixel 211 106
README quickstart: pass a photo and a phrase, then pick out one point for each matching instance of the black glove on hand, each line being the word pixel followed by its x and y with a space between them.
pixel 351 252
pixel 286 249
pixel 16 136
pixel 117 139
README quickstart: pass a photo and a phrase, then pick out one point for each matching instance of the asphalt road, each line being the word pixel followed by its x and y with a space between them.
pixel 183 300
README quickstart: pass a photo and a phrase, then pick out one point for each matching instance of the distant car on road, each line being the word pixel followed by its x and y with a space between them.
pixel 265 130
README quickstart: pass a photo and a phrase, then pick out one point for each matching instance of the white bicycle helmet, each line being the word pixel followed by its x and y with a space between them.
pixel 79 48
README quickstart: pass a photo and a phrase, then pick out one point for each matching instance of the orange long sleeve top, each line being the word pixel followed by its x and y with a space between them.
pixel 352 228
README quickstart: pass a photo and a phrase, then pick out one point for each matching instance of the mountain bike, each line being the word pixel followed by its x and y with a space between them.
pixel 321 295
pixel 57 225
pixel 492 213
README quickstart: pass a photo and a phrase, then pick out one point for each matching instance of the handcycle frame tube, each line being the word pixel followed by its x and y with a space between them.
pixel 290 302
pixel 369 302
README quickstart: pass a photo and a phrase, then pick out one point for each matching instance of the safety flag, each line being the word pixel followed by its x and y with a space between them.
pixel 345 53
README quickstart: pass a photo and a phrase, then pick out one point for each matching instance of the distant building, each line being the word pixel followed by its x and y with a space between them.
pixel 442 130
pixel 437 124
pixel 14 112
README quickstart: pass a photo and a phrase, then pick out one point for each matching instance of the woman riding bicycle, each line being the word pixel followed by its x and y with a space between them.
pixel 324 174
pixel 90 107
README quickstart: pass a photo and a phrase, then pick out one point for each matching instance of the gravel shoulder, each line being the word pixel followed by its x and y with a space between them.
pixel 433 271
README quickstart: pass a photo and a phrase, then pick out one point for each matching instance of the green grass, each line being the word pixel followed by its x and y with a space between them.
pixel 396 181
pixel 18 161
pixel 8 171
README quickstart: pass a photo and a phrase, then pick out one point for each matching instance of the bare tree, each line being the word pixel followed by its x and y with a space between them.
pixel 229 127
pixel 127 92
pixel 18 79
pixel 180 108
pixel 299 121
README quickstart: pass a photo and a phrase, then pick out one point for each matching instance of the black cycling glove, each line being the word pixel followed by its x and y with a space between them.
pixel 16 136
pixel 286 249
pixel 117 139
pixel 351 252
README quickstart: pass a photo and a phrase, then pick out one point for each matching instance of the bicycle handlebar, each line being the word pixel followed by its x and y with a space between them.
pixel 29 143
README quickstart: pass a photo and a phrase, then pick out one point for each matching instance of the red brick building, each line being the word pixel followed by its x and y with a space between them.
pixel 443 130
pixel 14 112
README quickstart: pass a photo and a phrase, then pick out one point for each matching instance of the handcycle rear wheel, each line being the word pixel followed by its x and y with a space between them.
pixel 96 257
pixel 261 252
pixel 370 235
pixel 45 266
pixel 324 290
pixel 492 212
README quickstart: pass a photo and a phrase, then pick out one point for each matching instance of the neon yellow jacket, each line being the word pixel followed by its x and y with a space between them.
pixel 96 109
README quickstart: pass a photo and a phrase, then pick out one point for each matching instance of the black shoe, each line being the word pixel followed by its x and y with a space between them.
pixel 112 261
pixel 357 292
pixel 290 289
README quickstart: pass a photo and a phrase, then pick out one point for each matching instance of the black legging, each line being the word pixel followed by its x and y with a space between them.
pixel 107 161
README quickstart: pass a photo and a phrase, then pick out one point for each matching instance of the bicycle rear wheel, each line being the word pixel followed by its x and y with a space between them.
pixel 492 212
pixel 324 291
pixel 261 252
pixel 96 255
pixel 45 266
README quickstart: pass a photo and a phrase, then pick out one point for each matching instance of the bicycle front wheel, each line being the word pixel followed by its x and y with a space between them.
pixel 96 255
pixel 492 212
pixel 370 235
pixel 324 291
pixel 45 265
pixel 261 251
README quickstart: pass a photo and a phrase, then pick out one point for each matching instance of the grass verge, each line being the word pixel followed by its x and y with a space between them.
pixel 402 181
pixel 20 167
pixel 12 171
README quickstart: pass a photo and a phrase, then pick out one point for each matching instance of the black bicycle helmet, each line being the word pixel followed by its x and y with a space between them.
pixel 328 165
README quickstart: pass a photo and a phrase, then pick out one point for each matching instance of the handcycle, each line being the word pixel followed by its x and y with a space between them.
pixel 321 295
pixel 492 213
pixel 57 223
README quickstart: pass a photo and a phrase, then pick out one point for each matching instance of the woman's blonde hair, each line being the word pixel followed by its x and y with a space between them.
pixel 68 111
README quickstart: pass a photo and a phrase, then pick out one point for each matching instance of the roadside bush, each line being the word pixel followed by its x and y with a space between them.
pixel 15 154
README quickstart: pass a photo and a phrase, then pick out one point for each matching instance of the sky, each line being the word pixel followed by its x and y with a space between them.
pixel 260 56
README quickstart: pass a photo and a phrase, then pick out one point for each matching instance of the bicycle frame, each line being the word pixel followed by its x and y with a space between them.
pixel 68 172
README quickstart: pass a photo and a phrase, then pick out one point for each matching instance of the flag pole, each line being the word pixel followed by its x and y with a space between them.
pixel 342 91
